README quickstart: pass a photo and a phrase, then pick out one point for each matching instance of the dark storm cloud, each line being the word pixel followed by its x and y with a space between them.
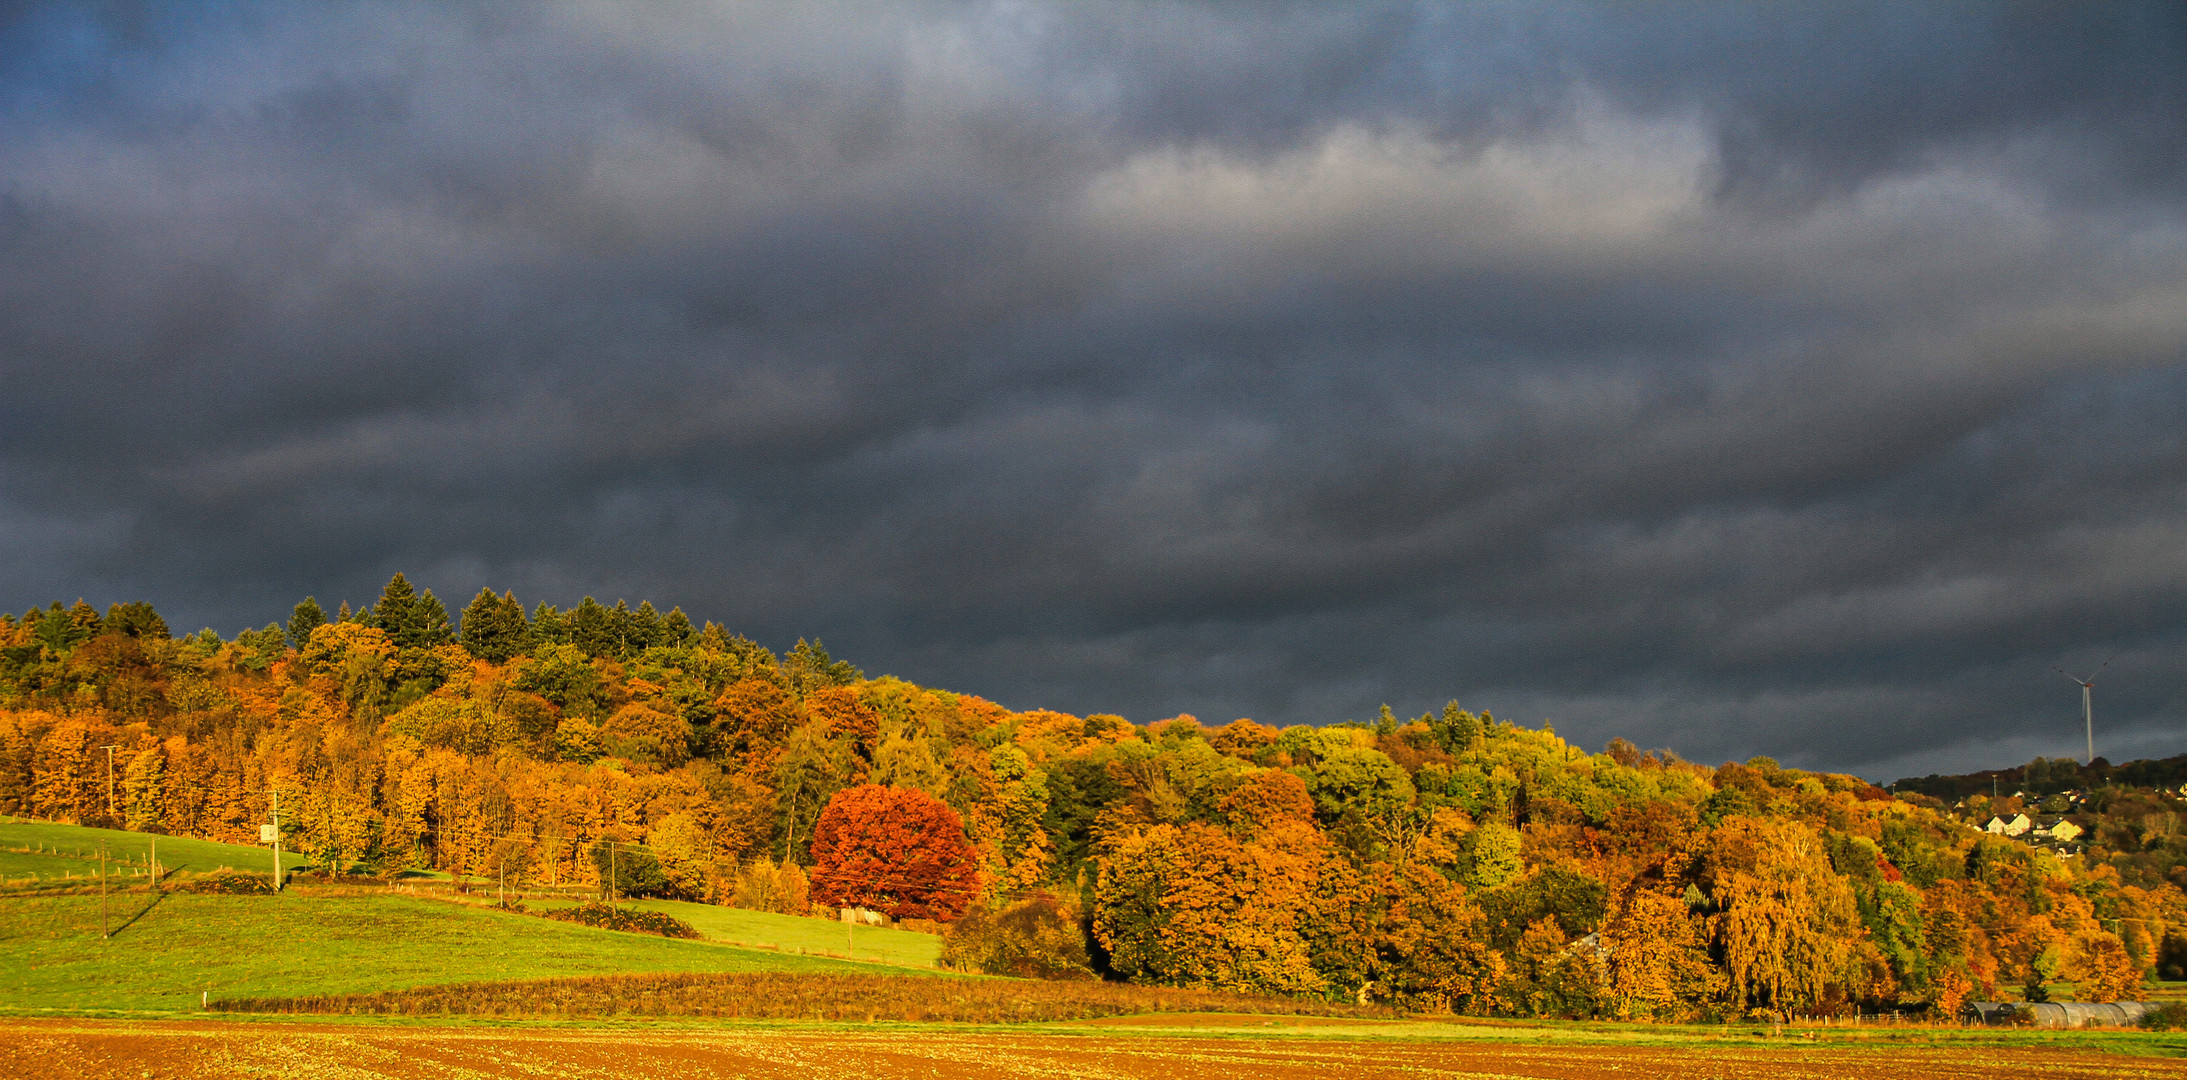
pixel 1797 381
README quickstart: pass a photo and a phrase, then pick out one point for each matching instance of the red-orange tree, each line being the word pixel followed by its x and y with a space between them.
pixel 895 850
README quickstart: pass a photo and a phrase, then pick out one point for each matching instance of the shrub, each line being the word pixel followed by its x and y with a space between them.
pixel 229 883
pixel 631 870
pixel 2170 1016
pixel 609 917
pixel 1036 938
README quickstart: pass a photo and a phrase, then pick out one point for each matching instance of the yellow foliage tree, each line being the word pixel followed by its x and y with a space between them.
pixel 1659 960
pixel 1787 923
pixel 2100 967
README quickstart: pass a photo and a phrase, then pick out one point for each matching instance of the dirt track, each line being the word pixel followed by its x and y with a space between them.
pixel 183 1050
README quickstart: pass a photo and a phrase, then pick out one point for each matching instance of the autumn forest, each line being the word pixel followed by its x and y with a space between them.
pixel 1449 861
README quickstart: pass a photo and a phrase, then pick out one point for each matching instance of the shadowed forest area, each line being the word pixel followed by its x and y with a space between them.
pixel 1450 861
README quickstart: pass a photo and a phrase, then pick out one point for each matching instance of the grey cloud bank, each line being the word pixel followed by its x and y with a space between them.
pixel 1794 381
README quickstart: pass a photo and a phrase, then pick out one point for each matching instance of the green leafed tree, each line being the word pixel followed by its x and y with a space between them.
pixel 627 869
pixel 1492 855
pixel 814 765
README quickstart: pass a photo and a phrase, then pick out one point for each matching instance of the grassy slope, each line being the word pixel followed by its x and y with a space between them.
pixel 787 933
pixel 79 849
pixel 791 933
pixel 51 955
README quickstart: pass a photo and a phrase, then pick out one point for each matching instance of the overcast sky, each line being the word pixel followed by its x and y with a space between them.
pixel 1802 380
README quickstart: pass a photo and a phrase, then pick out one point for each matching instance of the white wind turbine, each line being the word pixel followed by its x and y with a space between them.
pixel 2088 715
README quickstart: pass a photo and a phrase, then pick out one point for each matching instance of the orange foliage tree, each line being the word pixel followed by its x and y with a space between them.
pixel 895 850
pixel 1197 905
pixel 1659 960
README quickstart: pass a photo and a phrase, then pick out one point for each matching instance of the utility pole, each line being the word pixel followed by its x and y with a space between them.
pixel 110 778
pixel 104 933
pixel 613 873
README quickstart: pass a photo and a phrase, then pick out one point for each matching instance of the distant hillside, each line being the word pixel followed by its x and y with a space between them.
pixel 2045 776
pixel 2130 815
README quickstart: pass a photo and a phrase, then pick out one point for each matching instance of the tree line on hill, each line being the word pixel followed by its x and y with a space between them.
pixel 2048 776
pixel 1450 861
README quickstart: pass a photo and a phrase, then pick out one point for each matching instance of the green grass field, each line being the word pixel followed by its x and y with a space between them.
pixel 168 949
pixel 61 851
pixel 793 934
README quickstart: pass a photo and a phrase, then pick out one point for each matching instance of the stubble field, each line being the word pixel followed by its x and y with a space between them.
pixel 1287 1049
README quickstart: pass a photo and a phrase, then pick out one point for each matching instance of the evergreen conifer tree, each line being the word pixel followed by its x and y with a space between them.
pixel 307 617
pixel 549 625
pixel 429 623
pixel 676 629
pixel 1456 729
pixel 810 667
pixel 624 630
pixel 397 611
pixel 592 629
pixel 646 629
pixel 83 621
pixel 712 639
pixel 513 612
pixel 494 627
pixel 53 627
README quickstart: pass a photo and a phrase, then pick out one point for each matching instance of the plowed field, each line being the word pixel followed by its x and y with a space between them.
pixel 180 1050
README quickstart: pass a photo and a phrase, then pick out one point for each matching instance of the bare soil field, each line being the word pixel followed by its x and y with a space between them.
pixel 185 1050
